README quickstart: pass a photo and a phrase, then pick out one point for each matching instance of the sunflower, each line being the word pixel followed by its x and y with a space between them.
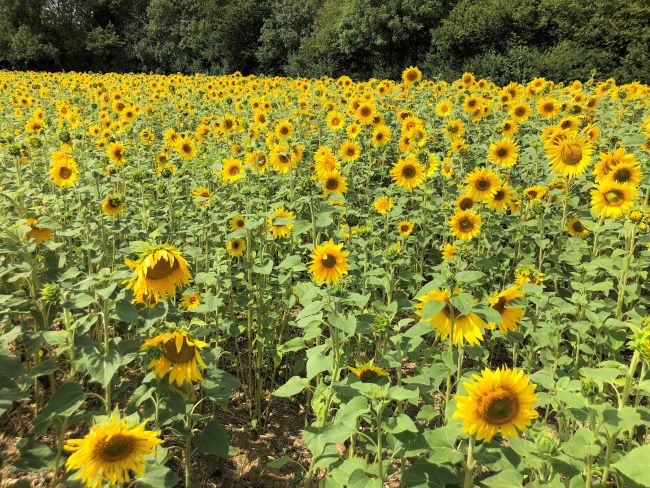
pixel 411 75
pixel 63 169
pixel 510 315
pixel 366 112
pixel 548 108
pixel 368 372
pixel 335 120
pixel 236 247
pixel 186 148
pixel 466 328
pixel 258 160
pixel 570 156
pixel 284 130
pixel 380 136
pixel 191 300
pixel 508 128
pixel 576 228
pixel 609 160
pixel 536 193
pixel 350 151
pixel 112 206
pixel 282 158
pixel 464 202
pixel 237 223
pixel 528 275
pixel 405 227
pixel 110 452
pixel 408 173
pixel 443 108
pixel 449 251
pixel 158 272
pixel 116 153
pixel 501 199
pixel 612 199
pixel 328 262
pixel 465 225
pixel 504 153
pixel 481 184
pixel 500 400
pixel 625 172
pixel 383 205
pixel 334 182
pixel 520 112
pixel 232 170
pixel 39 234
pixel 178 355
pixel 282 227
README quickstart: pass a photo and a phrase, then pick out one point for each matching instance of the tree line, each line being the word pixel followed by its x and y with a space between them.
pixel 502 40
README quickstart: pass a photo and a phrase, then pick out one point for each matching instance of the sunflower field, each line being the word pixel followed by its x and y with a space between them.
pixel 413 283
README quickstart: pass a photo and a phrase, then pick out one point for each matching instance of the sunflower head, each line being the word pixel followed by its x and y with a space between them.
pixel 368 372
pixel 328 262
pixel 408 173
pixel 113 205
pixel 178 355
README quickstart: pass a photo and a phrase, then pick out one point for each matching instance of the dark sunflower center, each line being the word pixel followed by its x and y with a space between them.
pixel 500 407
pixel 499 195
pixel 465 225
pixel 466 203
pixel 500 306
pixel 65 173
pixel 622 175
pixel 329 261
pixel 408 171
pixel 284 159
pixel 502 152
pixel 235 245
pixel 520 111
pixel 284 130
pixel 411 76
pixel 186 354
pixel 379 136
pixel 614 197
pixel 187 148
pixel 332 183
pixel 365 111
pixel 548 107
pixel 366 375
pixel 578 227
pixel 162 269
pixel 114 202
pixel 482 184
pixel 233 170
pixel 532 194
pixel 350 151
pixel 239 223
pixel 116 448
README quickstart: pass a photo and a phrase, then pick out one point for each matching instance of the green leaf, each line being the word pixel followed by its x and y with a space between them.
pixel 65 401
pixel 126 312
pixel 580 444
pixel 469 276
pixel 102 367
pixel 505 479
pixel 292 387
pixel 157 476
pixel 463 303
pixel 34 456
pixel 265 269
pixel 401 423
pixel 212 440
pixel 432 308
pixel 634 465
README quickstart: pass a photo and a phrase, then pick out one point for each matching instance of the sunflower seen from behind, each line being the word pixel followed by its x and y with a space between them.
pixel 328 262
pixel 497 401
pixel 178 354
pixel 111 453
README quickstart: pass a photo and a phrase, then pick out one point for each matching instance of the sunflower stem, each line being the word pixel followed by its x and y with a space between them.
pixel 470 464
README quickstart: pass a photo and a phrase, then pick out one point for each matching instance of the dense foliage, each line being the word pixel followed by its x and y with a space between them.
pixel 502 40
pixel 446 284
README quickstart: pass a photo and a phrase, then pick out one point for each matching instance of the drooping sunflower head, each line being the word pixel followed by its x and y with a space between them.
pixel 63 169
pixel 328 262
pixel 500 400
pixel 236 247
pixel 408 172
pixel 177 354
pixel 368 372
pixel 280 222
pixel 570 156
pixel 38 233
pixel 449 251
pixel 481 183
pixel 465 225
pixel 113 205
pixel 612 199
pixel 159 271
pixel 504 153
pixel 576 228
pixel 110 452
pixel 536 193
